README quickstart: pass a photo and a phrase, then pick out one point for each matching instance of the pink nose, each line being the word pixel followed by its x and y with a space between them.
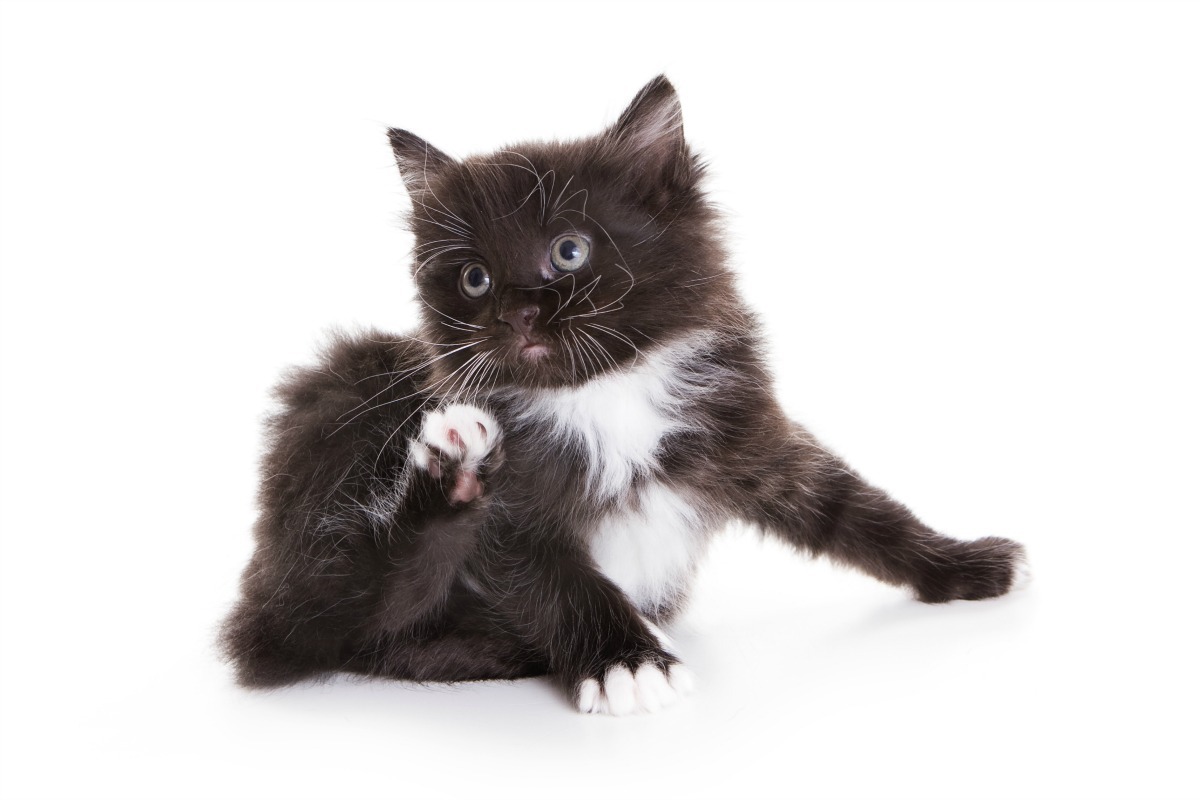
pixel 521 319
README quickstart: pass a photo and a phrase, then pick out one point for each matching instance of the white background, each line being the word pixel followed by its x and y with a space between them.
pixel 972 231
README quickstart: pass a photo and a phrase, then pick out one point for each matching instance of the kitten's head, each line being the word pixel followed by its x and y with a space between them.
pixel 547 264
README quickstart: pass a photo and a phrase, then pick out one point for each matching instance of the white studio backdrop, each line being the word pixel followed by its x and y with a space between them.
pixel 971 230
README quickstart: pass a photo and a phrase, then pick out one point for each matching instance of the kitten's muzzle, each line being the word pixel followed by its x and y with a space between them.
pixel 529 346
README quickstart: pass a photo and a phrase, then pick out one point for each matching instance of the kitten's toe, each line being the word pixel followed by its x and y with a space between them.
pixel 588 698
pixel 424 458
pixel 620 691
pixel 654 691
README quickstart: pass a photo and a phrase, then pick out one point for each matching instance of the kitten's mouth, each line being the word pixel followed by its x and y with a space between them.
pixel 531 349
pixel 534 350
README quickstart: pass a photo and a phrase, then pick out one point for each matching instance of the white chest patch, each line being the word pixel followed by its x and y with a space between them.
pixel 619 419
pixel 650 548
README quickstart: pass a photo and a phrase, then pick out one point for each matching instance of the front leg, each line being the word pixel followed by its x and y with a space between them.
pixel 811 499
pixel 595 642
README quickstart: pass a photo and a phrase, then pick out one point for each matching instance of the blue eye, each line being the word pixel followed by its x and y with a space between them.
pixel 475 281
pixel 569 252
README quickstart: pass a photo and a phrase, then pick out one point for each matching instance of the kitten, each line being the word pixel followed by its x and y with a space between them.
pixel 525 486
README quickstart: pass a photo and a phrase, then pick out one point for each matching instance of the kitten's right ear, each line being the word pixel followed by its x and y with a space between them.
pixel 417 159
pixel 648 139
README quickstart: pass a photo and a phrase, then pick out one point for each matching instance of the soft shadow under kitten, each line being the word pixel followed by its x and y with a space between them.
pixel 524 486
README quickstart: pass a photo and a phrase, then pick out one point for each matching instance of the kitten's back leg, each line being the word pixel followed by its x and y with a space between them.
pixel 341 505
pixel 466 644
pixel 465 647
pixel 811 499
pixel 263 652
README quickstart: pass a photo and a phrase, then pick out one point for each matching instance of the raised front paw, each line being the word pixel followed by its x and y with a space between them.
pixel 456 441
pixel 620 690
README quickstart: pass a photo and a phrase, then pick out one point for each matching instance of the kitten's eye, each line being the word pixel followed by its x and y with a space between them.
pixel 475 281
pixel 569 252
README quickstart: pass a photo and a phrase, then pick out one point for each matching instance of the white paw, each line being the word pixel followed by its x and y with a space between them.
pixel 460 432
pixel 461 435
pixel 622 692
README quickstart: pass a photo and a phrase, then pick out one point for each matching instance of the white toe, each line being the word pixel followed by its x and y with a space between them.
pixel 653 690
pixel 589 696
pixel 435 433
pixel 682 679
pixel 620 691
pixel 420 455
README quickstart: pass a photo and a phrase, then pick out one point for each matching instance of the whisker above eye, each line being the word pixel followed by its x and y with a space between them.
pixel 427 247
pixel 522 203
pixel 428 187
pixel 572 196
pixel 441 251
pixel 541 177
pixel 447 226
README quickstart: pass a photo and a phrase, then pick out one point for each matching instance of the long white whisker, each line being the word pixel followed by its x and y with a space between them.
pixel 393 383
pixel 601 348
pixel 617 334
pixel 570 351
pixel 466 325
pixel 465 380
pixel 431 394
pixel 585 352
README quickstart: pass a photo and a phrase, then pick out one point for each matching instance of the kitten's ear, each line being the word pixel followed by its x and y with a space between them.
pixel 417 159
pixel 649 134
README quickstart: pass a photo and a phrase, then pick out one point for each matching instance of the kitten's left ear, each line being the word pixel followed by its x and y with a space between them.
pixel 649 133
pixel 417 159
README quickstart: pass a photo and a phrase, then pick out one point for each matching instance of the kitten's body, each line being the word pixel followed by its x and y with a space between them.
pixel 527 487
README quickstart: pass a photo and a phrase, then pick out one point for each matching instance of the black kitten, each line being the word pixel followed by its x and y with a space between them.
pixel 526 486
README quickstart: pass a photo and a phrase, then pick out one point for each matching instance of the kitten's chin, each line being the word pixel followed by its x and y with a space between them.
pixel 533 351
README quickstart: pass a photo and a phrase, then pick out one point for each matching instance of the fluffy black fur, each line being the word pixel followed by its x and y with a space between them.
pixel 370 561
